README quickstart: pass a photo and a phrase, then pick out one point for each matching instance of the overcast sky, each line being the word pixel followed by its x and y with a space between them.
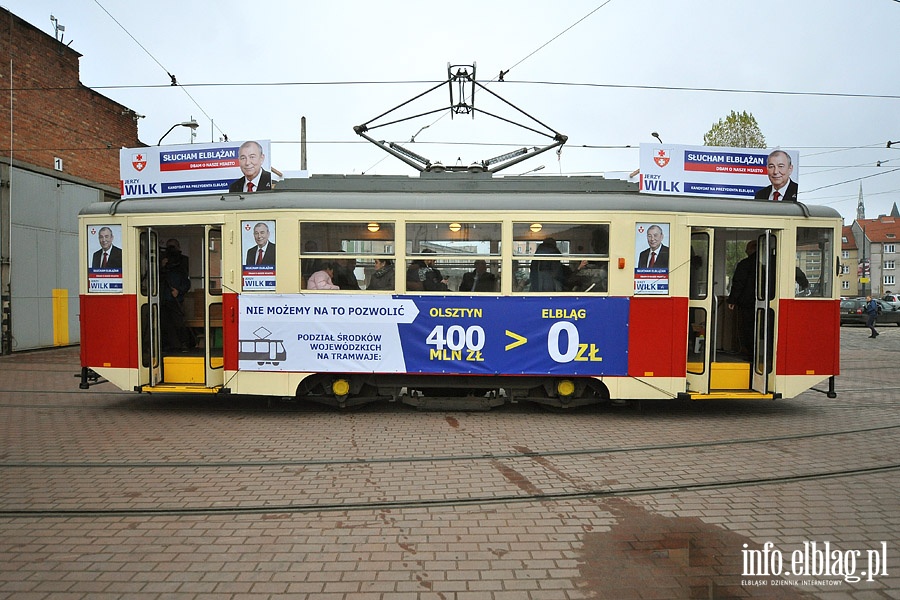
pixel 820 76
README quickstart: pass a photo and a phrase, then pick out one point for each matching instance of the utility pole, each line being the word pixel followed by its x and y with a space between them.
pixel 302 143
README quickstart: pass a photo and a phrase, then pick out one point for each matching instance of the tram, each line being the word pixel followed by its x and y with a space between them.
pixel 503 289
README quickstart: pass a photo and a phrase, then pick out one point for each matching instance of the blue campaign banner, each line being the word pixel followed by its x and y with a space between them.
pixel 478 335
pixel 518 336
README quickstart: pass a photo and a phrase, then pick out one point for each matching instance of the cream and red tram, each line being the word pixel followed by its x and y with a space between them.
pixel 604 328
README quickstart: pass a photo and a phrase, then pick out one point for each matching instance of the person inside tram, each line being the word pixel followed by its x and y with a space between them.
pixel 382 277
pixel 743 297
pixel 479 280
pixel 322 279
pixel 345 274
pixel 547 275
pixel 592 275
pixel 175 282
pixel 422 276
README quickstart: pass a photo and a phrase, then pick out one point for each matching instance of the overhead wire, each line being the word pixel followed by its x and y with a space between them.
pixel 172 78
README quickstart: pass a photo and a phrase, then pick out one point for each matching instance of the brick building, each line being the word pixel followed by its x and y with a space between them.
pixel 59 151
pixel 54 117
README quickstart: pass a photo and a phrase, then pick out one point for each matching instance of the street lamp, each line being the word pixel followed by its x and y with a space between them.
pixel 656 135
pixel 192 124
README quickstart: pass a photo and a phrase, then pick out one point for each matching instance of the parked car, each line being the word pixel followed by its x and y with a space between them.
pixel 853 312
pixel 892 299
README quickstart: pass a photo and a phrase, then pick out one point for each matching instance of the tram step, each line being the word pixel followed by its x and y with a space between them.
pixel 183 369
pixel 729 376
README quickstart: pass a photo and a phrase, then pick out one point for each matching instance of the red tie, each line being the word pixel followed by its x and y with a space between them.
pixel 259 257
pixel 249 186
pixel 776 196
pixel 103 264
pixel 652 259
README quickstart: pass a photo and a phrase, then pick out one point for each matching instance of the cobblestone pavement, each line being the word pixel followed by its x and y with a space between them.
pixel 107 494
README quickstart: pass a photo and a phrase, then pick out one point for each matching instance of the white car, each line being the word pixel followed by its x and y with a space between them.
pixel 892 299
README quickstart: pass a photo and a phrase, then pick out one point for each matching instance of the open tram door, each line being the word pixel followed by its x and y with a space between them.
pixel 727 354
pixel 702 309
pixel 150 371
pixel 197 366
pixel 212 325
pixel 764 314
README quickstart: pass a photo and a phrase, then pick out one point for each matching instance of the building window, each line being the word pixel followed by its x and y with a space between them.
pixel 845 285
pixel 888 265
pixel 845 254
pixel 889 249
pixel 888 280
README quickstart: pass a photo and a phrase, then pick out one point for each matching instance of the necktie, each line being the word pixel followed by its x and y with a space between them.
pixel 652 259
pixel 474 283
pixel 776 196
pixel 103 264
pixel 249 186
pixel 259 257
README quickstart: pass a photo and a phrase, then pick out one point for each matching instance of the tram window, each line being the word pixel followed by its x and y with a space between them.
pixel 352 247
pixel 699 262
pixel 450 274
pixel 453 238
pixel 561 257
pixel 813 276
pixel 215 262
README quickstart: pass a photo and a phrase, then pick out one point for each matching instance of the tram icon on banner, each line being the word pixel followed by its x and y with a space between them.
pixel 262 350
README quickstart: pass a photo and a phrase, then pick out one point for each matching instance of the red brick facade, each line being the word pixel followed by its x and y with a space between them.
pixel 53 115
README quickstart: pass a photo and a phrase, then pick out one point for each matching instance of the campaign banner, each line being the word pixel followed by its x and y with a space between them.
pixel 709 171
pixel 434 334
pixel 104 258
pixel 192 168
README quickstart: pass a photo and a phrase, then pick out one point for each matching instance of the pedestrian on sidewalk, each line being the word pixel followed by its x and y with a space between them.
pixel 872 312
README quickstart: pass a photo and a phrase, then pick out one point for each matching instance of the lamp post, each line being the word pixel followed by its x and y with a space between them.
pixel 656 135
pixel 192 124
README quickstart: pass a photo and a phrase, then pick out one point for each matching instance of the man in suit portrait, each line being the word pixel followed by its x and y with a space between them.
pixel 263 252
pixel 251 157
pixel 108 256
pixel 782 188
pixel 656 256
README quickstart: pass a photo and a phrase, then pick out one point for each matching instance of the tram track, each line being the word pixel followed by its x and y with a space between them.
pixel 592 494
pixel 433 459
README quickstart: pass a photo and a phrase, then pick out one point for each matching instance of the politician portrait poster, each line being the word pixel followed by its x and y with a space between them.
pixel 258 247
pixel 104 258
pixel 651 258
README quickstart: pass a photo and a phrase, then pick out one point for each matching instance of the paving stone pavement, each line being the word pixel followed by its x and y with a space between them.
pixel 107 494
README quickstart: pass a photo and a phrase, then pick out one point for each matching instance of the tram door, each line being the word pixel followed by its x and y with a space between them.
pixel 212 329
pixel 764 321
pixel 702 308
pixel 151 347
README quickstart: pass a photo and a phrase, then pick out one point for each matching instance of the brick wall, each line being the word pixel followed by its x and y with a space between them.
pixel 53 115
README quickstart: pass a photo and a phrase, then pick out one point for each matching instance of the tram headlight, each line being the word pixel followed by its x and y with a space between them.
pixel 565 387
pixel 340 387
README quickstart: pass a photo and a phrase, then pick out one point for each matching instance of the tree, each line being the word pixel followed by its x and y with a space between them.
pixel 737 130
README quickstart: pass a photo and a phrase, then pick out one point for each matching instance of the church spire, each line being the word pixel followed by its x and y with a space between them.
pixel 860 207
